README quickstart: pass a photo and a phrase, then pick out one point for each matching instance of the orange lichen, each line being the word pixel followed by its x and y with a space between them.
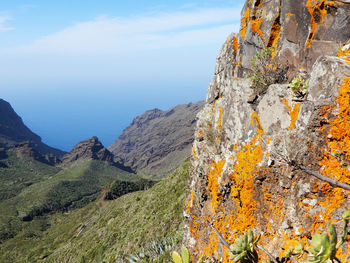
pixel 344 54
pixel 190 202
pixel 255 26
pixel 235 43
pixel 200 134
pixel 231 225
pixel 293 113
pixel 244 23
pixel 216 169
pixel 256 22
pixel 194 152
pixel 275 35
pixel 219 121
pixel 335 159
pixel 318 11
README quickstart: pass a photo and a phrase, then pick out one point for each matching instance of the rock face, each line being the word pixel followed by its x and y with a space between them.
pixel 14 131
pixel 88 149
pixel 157 142
pixel 251 159
pixel 27 151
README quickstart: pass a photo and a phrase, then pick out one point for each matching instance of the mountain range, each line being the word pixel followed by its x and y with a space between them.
pixel 38 181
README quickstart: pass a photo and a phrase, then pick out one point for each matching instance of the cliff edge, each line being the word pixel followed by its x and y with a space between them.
pixel 255 150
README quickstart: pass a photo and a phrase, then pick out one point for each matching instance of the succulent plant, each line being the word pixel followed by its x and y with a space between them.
pixel 324 246
pixel 244 249
pixel 296 251
pixel 299 85
pixel 184 258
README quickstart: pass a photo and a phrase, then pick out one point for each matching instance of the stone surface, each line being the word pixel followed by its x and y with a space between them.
pixel 88 149
pixel 157 142
pixel 27 151
pixel 247 149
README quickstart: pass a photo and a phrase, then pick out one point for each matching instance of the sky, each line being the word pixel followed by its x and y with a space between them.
pixel 73 69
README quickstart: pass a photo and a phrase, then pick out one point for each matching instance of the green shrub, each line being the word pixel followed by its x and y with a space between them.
pixel 265 72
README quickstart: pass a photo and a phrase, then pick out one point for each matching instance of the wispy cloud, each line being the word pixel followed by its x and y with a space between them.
pixel 158 31
pixel 3 20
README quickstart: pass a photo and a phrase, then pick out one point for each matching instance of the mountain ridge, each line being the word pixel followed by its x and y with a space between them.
pixel 14 131
pixel 157 142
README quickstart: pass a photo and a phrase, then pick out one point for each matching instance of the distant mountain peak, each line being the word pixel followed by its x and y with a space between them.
pixel 14 131
pixel 157 142
pixel 88 149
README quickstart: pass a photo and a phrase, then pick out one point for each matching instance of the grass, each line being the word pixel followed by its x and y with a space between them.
pixel 68 189
pixel 106 231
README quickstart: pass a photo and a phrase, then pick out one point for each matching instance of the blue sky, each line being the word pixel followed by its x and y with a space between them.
pixel 74 69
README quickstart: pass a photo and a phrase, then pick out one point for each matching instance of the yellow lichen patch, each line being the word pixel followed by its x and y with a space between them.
pixel 235 43
pixel 293 113
pixel 336 157
pixel 255 26
pixel 219 121
pixel 215 171
pixel 200 134
pixel 244 23
pixel 274 35
pixel 344 54
pixel 257 20
pixel 318 11
pixel 190 202
pixel 194 152
pixel 228 223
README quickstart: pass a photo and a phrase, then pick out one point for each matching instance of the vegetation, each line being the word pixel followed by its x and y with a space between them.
pixel 299 86
pixel 244 249
pixel 105 231
pixel 119 188
pixel 323 247
pixel 265 72
pixel 68 189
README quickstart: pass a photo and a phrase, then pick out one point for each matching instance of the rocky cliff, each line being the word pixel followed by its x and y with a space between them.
pixel 14 131
pixel 254 160
pixel 88 149
pixel 92 149
pixel 157 142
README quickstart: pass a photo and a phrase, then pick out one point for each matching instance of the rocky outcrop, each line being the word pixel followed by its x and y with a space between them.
pixel 27 152
pixel 252 158
pixel 88 149
pixel 157 142
pixel 14 131
pixel 92 149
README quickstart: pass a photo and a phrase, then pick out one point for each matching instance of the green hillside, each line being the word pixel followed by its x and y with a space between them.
pixel 106 231
pixel 34 189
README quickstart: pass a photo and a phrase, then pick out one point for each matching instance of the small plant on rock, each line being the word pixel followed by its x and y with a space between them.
pixel 299 86
pixel 185 256
pixel 244 249
pixel 265 72
pixel 325 246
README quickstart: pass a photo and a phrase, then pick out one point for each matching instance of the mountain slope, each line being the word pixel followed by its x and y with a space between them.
pixel 107 231
pixel 13 131
pixel 157 142
pixel 32 188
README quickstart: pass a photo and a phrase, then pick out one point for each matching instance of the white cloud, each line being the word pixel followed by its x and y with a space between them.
pixel 3 20
pixel 118 35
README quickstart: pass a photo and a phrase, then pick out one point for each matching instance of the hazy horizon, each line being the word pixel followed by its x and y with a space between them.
pixel 83 69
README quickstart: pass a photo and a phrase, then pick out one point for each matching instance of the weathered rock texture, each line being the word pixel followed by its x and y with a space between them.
pixel 239 179
pixel 157 142
pixel 27 152
pixel 91 149
pixel 14 131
